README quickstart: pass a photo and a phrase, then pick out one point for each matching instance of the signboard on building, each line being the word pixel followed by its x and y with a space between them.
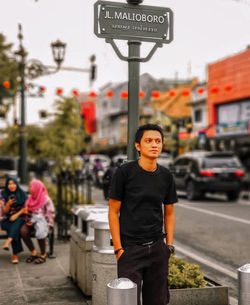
pixel 233 119
pixel 230 129
pixel 133 22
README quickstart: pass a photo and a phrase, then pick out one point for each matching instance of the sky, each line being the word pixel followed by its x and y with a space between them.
pixel 205 31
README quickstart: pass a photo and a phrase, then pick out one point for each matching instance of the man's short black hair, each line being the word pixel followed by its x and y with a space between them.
pixel 140 131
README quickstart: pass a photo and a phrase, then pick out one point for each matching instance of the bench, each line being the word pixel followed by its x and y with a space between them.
pixel 50 253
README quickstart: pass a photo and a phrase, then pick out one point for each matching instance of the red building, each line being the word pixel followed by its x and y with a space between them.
pixel 228 103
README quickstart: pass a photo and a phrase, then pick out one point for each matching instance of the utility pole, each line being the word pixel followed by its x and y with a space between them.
pixel 22 127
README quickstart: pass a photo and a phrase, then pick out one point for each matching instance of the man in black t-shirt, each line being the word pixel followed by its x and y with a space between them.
pixel 139 189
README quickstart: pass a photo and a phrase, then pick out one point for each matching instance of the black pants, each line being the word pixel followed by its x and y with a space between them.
pixel 147 266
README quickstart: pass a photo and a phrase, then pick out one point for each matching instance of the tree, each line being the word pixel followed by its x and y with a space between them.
pixel 64 136
pixel 8 76
pixel 61 140
pixel 10 144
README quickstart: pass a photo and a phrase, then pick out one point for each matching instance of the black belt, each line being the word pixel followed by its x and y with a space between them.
pixel 148 243
pixel 136 243
pixel 153 241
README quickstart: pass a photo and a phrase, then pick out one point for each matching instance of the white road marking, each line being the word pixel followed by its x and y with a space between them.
pixel 237 219
pixel 207 262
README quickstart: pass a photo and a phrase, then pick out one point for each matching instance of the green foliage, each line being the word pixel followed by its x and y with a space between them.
pixel 8 72
pixel 35 135
pixel 74 197
pixel 52 191
pixel 64 136
pixel 60 140
pixel 184 275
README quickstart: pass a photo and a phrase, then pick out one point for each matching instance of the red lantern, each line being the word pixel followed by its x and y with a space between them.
pixel 6 84
pixel 92 94
pixel 155 94
pixel 59 91
pixel 215 90
pixel 110 94
pixel 228 88
pixel 200 90
pixel 43 89
pixel 75 92
pixel 141 94
pixel 124 94
pixel 185 92
pixel 171 93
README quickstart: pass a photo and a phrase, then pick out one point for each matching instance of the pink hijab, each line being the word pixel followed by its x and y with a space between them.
pixel 38 195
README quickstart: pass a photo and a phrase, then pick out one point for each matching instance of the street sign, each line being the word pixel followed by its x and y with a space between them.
pixel 133 22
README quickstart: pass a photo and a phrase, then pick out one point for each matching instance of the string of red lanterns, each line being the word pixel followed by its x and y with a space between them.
pixel 110 94
pixel 59 91
pixel 6 84
pixel 124 94
pixel 92 94
pixel 154 94
pixel 42 88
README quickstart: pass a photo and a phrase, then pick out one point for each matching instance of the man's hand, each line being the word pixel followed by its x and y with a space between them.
pixel 119 254
pixel 1 203
pixel 14 217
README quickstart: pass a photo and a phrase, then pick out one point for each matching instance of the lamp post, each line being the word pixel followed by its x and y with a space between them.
pixel 31 71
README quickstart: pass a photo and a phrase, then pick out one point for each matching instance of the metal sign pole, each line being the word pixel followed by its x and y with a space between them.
pixel 134 23
pixel 133 96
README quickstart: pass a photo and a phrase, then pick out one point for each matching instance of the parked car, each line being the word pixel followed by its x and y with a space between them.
pixel 199 172
pixel 164 159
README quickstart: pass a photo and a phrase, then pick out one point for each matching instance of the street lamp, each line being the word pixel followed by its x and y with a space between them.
pixel 31 69
pixel 58 50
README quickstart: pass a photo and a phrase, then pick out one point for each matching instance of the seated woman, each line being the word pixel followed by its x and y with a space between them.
pixel 14 198
pixel 40 211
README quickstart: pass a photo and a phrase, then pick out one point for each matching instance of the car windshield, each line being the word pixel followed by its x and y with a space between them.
pixel 220 162
pixel 7 164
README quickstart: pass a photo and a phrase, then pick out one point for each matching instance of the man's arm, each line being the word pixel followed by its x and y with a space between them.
pixel 114 225
pixel 169 222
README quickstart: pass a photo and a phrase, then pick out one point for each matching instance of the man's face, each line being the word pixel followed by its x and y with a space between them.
pixel 151 144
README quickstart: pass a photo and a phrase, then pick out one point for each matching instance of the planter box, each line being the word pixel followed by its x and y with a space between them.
pixel 217 295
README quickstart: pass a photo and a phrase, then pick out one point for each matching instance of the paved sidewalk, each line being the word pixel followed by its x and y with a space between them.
pixel 48 283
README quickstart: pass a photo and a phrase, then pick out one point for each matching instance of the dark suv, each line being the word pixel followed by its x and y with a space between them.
pixel 198 172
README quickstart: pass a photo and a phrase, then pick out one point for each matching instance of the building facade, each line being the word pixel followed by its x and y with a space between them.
pixel 228 104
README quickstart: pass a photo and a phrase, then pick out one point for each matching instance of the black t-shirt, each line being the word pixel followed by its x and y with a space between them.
pixel 142 194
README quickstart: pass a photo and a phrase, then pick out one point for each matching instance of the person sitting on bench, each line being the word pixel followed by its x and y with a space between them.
pixel 14 198
pixel 39 205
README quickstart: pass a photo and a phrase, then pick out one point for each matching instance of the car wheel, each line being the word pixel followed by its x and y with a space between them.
pixel 192 193
pixel 232 196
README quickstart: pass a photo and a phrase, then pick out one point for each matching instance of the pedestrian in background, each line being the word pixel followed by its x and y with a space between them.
pixel 14 198
pixel 39 219
pixel 107 178
pixel 138 191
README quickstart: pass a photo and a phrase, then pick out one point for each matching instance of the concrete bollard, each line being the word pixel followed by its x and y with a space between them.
pixel 84 250
pixel 74 243
pixel 244 284
pixel 104 267
pixel 122 291
pixel 81 244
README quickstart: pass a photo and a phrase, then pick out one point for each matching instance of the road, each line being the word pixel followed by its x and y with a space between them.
pixel 215 234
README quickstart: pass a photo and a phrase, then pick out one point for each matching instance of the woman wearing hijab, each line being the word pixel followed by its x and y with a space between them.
pixel 38 205
pixel 14 198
